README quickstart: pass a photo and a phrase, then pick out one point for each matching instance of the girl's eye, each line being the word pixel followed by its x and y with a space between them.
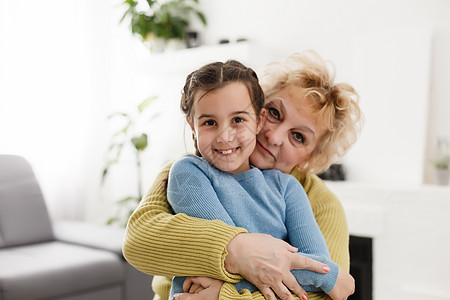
pixel 298 137
pixel 274 113
pixel 238 120
pixel 210 123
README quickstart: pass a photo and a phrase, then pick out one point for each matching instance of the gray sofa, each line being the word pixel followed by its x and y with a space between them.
pixel 41 259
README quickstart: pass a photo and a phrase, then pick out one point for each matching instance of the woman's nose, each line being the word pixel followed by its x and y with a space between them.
pixel 274 136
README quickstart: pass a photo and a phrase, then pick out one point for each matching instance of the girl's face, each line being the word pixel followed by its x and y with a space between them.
pixel 225 124
pixel 290 133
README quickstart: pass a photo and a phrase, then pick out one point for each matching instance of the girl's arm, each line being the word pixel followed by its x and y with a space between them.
pixel 305 234
pixel 330 217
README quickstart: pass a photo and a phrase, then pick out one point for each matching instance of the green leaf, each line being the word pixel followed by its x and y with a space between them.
pixel 130 11
pixel 146 102
pixel 202 18
pixel 159 19
pixel 130 2
pixel 442 163
pixel 114 152
pixel 112 220
pixel 154 116
pixel 124 130
pixel 151 2
pixel 104 173
pixel 126 200
pixel 140 142
pixel 113 115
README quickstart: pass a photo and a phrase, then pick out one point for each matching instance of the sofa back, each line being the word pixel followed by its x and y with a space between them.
pixel 24 218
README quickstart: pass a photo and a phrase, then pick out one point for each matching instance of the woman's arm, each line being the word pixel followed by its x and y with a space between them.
pixel 332 222
pixel 228 291
pixel 154 237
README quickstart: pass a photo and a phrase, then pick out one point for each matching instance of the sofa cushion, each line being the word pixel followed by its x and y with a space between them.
pixel 56 269
pixel 90 234
pixel 24 217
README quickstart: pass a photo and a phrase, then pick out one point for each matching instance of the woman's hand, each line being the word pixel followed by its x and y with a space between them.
pixel 267 262
pixel 344 287
pixel 200 288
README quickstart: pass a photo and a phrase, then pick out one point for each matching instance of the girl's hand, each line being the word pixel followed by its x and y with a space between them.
pixel 200 288
pixel 267 262
pixel 344 287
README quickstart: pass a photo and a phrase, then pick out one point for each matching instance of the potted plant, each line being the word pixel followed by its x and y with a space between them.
pixel 441 161
pixel 132 136
pixel 158 22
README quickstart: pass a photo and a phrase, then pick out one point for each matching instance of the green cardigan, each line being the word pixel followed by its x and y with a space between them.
pixel 158 242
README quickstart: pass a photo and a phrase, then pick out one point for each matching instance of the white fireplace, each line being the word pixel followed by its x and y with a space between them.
pixel 410 228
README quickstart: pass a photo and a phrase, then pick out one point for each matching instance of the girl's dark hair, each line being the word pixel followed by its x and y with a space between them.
pixel 217 75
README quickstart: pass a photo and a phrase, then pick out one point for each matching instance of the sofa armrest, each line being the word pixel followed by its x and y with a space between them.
pixel 90 234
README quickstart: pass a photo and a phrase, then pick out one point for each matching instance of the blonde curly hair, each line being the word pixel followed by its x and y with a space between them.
pixel 336 103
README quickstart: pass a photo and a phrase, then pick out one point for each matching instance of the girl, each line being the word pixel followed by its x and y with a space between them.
pixel 223 104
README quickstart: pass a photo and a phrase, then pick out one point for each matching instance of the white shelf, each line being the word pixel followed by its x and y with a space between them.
pixel 186 60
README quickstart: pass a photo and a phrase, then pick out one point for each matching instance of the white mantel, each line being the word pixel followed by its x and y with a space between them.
pixel 410 227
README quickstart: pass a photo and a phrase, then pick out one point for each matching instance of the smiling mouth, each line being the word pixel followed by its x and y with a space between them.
pixel 264 150
pixel 227 152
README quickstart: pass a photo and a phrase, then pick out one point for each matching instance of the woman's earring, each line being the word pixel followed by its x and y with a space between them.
pixel 260 126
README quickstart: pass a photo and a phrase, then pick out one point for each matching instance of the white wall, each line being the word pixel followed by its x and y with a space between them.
pixel 394 52
pixel 394 100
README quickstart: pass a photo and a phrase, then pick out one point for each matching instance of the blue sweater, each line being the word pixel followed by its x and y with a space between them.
pixel 261 201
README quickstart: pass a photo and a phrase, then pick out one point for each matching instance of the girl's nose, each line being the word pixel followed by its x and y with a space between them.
pixel 226 135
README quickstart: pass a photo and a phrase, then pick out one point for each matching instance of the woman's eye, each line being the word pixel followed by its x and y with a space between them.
pixel 298 137
pixel 274 113
pixel 209 123
pixel 238 120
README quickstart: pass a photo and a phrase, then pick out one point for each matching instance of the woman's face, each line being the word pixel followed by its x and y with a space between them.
pixel 290 133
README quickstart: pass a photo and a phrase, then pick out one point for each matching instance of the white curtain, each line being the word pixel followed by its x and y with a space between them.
pixel 65 65
pixel 49 96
